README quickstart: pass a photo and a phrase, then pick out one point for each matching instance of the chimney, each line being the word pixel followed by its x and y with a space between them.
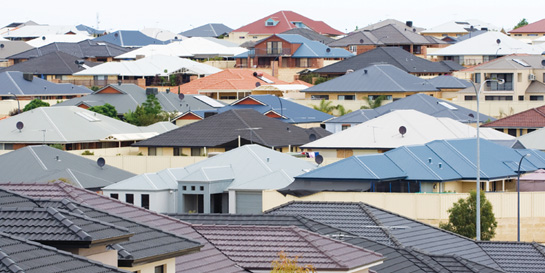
pixel 409 23
pixel 28 76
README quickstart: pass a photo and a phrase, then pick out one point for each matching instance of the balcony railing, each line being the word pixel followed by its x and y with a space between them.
pixel 270 52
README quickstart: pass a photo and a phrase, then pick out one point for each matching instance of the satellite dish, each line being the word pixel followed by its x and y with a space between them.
pixel 19 125
pixel 43 38
pixel 319 159
pixel 498 41
pixel 312 137
pixel 402 130
pixel 181 96
pixel 361 41
pixel 257 84
pixel 101 162
pixel 542 62
pixel 471 115
pixel 116 35
pixel 175 37
pixel 1 45
pixel 328 50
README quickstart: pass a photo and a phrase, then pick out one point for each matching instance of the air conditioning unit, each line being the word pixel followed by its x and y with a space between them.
pixel 532 77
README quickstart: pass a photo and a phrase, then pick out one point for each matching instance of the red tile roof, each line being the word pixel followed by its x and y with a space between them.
pixel 532 118
pixel 536 27
pixel 284 19
pixel 228 79
pixel 255 247
pixel 209 259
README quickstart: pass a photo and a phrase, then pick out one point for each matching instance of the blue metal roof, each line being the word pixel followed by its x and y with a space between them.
pixel 291 111
pixel 128 38
pixel 208 30
pixel 440 160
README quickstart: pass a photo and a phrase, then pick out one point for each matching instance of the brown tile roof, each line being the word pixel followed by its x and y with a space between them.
pixel 536 27
pixel 255 247
pixel 228 79
pixel 531 118
pixel 209 259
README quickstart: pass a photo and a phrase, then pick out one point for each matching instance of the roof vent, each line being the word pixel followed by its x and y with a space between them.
pixel 365 71
pixel 28 76
pixel 152 91
pixel 349 71
pixel 409 23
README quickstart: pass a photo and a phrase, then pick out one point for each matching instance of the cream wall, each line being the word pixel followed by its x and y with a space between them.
pixel 170 267
pixel 432 208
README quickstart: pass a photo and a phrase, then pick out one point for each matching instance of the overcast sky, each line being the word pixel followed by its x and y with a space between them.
pixel 344 15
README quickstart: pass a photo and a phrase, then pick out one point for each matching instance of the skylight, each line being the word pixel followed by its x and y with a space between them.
pixel 88 116
pixel 209 101
pixel 449 106
pixel 521 62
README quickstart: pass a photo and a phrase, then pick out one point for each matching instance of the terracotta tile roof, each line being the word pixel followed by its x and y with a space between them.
pixel 302 82
pixel 536 27
pixel 228 79
pixel 531 118
pixel 284 19
pixel 255 247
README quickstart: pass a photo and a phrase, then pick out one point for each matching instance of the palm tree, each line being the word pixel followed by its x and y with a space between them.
pixel 341 110
pixel 325 106
pixel 373 103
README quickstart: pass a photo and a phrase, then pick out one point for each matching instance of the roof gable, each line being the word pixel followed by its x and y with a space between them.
pixel 228 79
pixel 531 118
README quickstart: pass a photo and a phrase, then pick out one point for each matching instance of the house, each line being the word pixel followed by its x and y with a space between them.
pixel 396 129
pixel 208 30
pixel 277 23
pixel 15 25
pixel 44 164
pixel 91 31
pixel 421 102
pixel 458 28
pixel 9 48
pixel 521 123
pixel 88 50
pixel 394 22
pixel 162 34
pixel 128 39
pixel 147 71
pixel 231 182
pixel 483 48
pixel 378 224
pixel 126 97
pixel 438 166
pixel 530 32
pixel 71 127
pixel 268 105
pixel 523 77
pixel 395 56
pixel 371 82
pixel 309 34
pixel 149 249
pixel 533 140
pixel 54 67
pixel 405 37
pixel 28 32
pixel 282 52
pixel 226 131
pixel 48 39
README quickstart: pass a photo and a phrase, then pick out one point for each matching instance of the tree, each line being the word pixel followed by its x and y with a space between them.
pixel 287 265
pixel 372 104
pixel 341 110
pixel 148 113
pixel 463 217
pixel 522 23
pixel 106 109
pixel 35 103
pixel 324 106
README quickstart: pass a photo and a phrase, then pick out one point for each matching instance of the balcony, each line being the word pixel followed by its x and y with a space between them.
pixel 269 52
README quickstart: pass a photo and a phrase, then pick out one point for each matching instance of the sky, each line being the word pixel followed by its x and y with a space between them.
pixel 344 15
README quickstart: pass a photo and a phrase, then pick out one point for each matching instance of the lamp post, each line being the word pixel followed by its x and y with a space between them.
pixel 18 105
pixel 518 197
pixel 478 205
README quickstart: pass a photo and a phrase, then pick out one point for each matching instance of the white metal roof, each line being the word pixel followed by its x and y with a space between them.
pixel 460 26
pixel 383 132
pixel 486 44
pixel 42 30
pixel 534 140
pixel 162 34
pixel 48 39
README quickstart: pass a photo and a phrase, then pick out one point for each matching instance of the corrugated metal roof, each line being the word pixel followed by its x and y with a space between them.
pixel 486 44
pixel 128 38
pixel 207 30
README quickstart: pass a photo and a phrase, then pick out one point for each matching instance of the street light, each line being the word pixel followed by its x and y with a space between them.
pixel 518 197
pixel 18 105
pixel 478 207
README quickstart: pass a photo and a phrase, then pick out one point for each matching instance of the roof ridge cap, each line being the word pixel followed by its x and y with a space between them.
pixel 299 232
pixel 9 263
pixel 78 231
pixel 536 246
pixel 391 237
pixel 420 257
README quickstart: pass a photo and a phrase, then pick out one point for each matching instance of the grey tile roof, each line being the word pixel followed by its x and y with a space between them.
pixel 10 48
pixel 13 82
pixel 208 30
pixel 449 82
pixel 395 56
pixel 84 49
pixel 224 129
pixel 389 22
pixel 254 247
pixel 309 34
pixel 408 232
pixel 515 256
pixel 132 95
pixel 375 78
pixel 19 255
pixel 385 35
pixel 54 63
pixel 40 164
pixel 208 259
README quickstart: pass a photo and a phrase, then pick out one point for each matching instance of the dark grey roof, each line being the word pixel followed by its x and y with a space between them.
pixel 516 256
pixel 421 102
pixel 54 63
pixel 310 34
pixel 132 95
pixel 449 82
pixel 13 82
pixel 20 255
pixel 208 30
pixel 395 56
pixel 128 38
pixel 408 232
pixel 375 78
pixel 224 129
pixel 385 35
pixel 84 49
pixel 390 22
pixel 43 163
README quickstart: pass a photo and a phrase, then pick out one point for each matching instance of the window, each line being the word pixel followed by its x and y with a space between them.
pixel 152 151
pixel 512 132
pixel 274 48
pixel 319 97
pixel 177 151
pixel 129 198
pixel 345 126
pixel 160 269
pixel 192 188
pixel 114 195
pixel 506 86
pixel 521 98
pixel 532 34
pixel 201 188
pixel 530 130
pixel 184 188
pixel 417 49
pixel 302 62
pixel 353 48
pixel 145 201
pixel 374 97
pixel 518 34
pixel 196 151
pixel 535 98
pixel 477 77
pixel 498 98
pixel 519 77
pixel 346 97
pixel 470 97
